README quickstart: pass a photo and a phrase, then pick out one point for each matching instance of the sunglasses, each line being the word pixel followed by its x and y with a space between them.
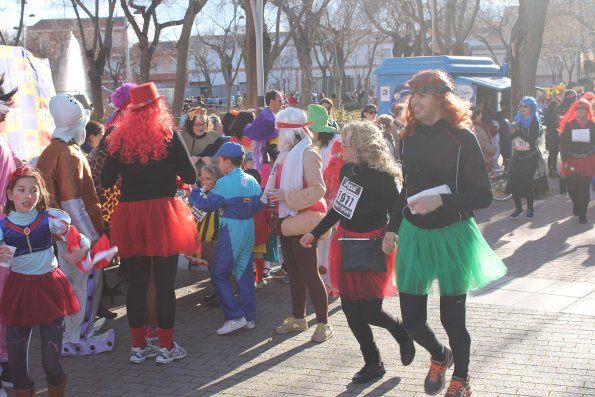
pixel 199 124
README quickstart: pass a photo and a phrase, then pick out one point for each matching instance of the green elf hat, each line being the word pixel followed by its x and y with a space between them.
pixel 318 116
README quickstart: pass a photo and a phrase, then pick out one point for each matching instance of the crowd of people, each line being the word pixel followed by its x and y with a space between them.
pixel 375 208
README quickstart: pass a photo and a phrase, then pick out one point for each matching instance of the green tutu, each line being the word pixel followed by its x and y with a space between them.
pixel 457 255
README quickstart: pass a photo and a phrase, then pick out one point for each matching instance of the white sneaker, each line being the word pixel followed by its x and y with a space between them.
pixel 232 325
pixel 3 393
pixel 166 356
pixel 152 347
pixel 249 325
pixel 139 354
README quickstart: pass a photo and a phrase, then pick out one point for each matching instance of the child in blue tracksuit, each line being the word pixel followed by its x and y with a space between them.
pixel 237 197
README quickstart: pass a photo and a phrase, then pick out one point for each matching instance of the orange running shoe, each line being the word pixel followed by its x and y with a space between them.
pixel 436 378
pixel 458 387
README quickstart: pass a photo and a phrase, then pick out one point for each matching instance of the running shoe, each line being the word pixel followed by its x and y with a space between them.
pixel 369 372
pixel 516 214
pixel 436 378
pixel 291 324
pixel 232 325
pixel 167 356
pixel 458 387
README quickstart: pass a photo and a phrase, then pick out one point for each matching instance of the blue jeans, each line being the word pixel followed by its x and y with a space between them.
pixel 17 344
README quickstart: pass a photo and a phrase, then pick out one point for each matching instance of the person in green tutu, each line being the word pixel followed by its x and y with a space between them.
pixel 445 180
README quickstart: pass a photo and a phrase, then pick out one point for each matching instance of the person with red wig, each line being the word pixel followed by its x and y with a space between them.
pixel 445 180
pixel 149 225
pixel 577 147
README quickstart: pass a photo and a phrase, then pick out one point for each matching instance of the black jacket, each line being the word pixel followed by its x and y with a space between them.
pixel 437 155
pixel 156 179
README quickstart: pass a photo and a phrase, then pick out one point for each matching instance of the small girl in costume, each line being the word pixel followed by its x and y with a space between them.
pixel 209 224
pixel 262 232
pixel 36 291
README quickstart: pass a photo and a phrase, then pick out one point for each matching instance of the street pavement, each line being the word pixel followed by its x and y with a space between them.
pixel 533 332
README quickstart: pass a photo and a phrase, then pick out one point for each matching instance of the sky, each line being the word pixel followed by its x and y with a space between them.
pixel 52 9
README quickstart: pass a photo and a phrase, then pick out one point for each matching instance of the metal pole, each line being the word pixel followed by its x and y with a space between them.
pixel 257 14
pixel 128 70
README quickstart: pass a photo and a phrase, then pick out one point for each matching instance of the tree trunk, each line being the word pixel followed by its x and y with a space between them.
pixel 144 63
pixel 303 50
pixel 228 88
pixel 250 53
pixel 525 47
pixel 96 93
pixel 338 89
pixel 194 6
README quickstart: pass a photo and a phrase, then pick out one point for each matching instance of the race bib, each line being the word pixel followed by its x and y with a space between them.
pixel 198 214
pixel 582 135
pixel 347 198
pixel 521 145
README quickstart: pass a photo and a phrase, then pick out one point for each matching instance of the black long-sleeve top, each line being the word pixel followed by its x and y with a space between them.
pixel 436 155
pixel 576 149
pixel 530 135
pixel 156 179
pixel 379 195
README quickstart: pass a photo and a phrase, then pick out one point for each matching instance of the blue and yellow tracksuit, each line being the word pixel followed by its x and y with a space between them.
pixel 237 198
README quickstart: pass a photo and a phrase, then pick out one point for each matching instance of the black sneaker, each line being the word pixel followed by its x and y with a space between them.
pixel 209 298
pixel 369 372
pixel 436 378
pixel 516 214
pixel 582 218
pixel 530 213
pixel 407 352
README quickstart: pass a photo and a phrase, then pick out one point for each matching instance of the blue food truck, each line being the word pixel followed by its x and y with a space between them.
pixel 477 79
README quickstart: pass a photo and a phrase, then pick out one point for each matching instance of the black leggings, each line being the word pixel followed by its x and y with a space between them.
pixel 139 274
pixel 414 309
pixel 519 204
pixel 578 190
pixel 17 343
pixel 363 313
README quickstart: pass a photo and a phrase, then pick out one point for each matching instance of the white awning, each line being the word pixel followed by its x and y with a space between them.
pixel 495 83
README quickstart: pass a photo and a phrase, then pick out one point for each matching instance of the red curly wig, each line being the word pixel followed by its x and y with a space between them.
pixel 455 110
pixel 142 134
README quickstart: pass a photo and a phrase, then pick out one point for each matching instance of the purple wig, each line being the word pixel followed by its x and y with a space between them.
pixel 121 97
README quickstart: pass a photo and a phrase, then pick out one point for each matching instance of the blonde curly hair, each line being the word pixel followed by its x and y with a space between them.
pixel 369 147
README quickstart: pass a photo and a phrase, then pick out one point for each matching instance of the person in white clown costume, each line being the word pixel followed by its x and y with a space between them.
pixel 68 178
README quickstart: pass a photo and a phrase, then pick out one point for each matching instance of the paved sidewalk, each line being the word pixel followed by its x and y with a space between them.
pixel 535 348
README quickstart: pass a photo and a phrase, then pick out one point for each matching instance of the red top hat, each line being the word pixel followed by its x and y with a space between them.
pixel 142 95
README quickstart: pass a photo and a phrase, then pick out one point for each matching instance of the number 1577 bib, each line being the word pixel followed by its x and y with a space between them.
pixel 347 198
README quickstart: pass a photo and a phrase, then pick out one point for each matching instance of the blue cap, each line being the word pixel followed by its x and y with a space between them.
pixel 230 149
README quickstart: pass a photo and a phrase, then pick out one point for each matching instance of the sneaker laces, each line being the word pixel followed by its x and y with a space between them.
pixel 455 386
pixel 435 368
pixel 320 327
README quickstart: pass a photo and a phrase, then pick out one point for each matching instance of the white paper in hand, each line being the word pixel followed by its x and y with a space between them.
pixel 434 191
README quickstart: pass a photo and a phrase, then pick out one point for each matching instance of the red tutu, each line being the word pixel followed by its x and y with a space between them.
pixel 158 227
pixel 30 300
pixel 360 285
pixel 573 166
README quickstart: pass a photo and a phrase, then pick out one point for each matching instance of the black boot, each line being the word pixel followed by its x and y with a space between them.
pixel 369 372
pixel 407 349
